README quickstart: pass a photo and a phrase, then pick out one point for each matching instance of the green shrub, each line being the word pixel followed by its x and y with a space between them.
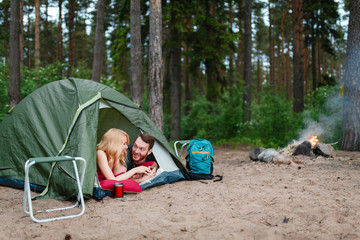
pixel 227 117
pixel 196 122
pixel 32 79
pixel 214 121
pixel 81 71
pixel 4 85
pixel 273 122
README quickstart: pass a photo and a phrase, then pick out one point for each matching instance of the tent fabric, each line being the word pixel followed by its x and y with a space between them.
pixel 68 117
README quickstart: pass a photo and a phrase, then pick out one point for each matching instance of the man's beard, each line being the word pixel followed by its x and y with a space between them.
pixel 139 158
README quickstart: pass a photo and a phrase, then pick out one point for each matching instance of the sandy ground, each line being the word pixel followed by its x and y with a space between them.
pixel 316 200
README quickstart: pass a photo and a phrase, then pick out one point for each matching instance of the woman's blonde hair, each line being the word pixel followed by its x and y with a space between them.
pixel 112 143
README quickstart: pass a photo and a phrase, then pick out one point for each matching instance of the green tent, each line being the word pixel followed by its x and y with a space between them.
pixel 69 117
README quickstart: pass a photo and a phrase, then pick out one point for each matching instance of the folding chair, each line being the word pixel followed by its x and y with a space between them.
pixel 27 194
pixel 183 144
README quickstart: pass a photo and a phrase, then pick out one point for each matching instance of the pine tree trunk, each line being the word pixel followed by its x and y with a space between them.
pixel 240 59
pixel 279 72
pixel 21 35
pixel 199 85
pixel 6 29
pixel 212 73
pixel 298 67
pixel 28 43
pixel 14 60
pixel 306 69
pixel 288 67
pixel 84 38
pixel 289 94
pixel 123 63
pixel 59 43
pixel 313 64
pixel 187 81
pixel 37 34
pixel 259 80
pixel 318 61
pixel 186 63
pixel 155 65
pixel 247 59
pixel 167 98
pixel 231 57
pixel 99 36
pixel 176 77
pixel 47 33
pixel 338 68
pixel 306 59
pixel 350 138
pixel 271 48
pixel 71 27
pixel 283 58
pixel 135 52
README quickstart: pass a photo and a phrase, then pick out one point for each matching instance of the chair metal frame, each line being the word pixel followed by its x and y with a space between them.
pixel 27 193
pixel 183 144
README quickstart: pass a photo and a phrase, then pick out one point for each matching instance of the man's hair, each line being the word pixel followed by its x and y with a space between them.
pixel 148 139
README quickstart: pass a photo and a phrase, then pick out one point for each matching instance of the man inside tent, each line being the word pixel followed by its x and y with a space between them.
pixel 141 152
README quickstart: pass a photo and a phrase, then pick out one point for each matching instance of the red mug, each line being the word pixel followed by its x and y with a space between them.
pixel 118 190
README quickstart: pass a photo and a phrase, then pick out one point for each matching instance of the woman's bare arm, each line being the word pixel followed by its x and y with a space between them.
pixel 103 165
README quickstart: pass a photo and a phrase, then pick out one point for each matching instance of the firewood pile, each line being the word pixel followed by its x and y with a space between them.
pixel 298 152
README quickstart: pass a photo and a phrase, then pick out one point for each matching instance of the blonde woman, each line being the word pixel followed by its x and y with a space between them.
pixel 111 162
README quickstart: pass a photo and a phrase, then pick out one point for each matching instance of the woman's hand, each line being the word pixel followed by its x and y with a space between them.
pixel 143 169
pixel 143 176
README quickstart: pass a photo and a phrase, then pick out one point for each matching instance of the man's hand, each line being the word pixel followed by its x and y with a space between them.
pixel 142 169
pixel 143 176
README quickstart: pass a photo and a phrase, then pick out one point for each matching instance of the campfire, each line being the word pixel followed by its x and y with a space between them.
pixel 296 152
pixel 313 147
pixel 314 140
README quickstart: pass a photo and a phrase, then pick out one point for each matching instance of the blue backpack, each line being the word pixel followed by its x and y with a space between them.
pixel 199 159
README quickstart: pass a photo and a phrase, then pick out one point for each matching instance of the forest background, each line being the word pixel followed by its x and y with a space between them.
pixel 259 72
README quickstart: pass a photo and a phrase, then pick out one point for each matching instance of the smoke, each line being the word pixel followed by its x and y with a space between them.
pixel 312 128
pixel 327 125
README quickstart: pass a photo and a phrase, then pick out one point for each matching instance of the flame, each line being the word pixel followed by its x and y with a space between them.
pixel 314 140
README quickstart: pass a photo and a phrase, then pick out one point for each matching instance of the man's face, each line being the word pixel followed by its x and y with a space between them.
pixel 139 151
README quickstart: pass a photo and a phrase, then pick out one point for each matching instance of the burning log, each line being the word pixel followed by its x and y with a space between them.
pixel 303 149
pixel 313 146
pixel 325 150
